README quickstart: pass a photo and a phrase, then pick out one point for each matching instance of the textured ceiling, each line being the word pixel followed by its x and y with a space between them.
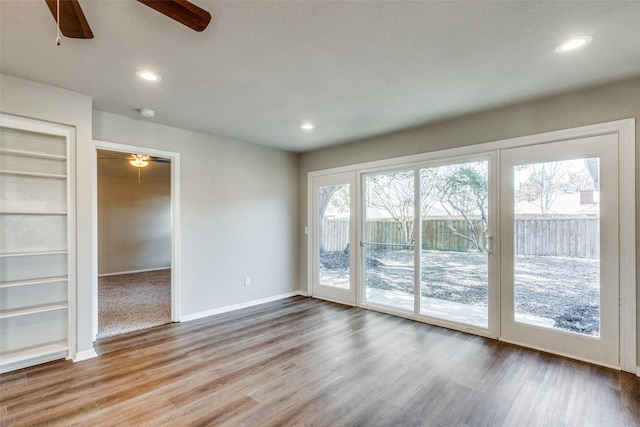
pixel 355 69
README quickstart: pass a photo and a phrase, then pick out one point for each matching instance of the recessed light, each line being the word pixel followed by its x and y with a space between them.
pixel 307 126
pixel 573 44
pixel 145 112
pixel 148 75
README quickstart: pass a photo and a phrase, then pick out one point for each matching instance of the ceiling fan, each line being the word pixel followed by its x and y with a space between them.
pixel 73 23
pixel 137 160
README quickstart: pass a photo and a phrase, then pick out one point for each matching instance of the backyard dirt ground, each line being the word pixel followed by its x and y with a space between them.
pixel 563 289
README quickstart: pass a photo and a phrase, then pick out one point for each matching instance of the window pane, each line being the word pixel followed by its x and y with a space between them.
pixel 388 239
pixel 454 278
pixel 557 245
pixel 333 231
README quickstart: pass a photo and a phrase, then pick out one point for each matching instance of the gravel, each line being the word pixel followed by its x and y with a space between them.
pixel 559 288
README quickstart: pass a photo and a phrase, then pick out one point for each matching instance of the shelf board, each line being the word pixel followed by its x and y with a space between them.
pixel 33 154
pixel 35 253
pixel 18 357
pixel 60 213
pixel 28 282
pixel 25 311
pixel 33 174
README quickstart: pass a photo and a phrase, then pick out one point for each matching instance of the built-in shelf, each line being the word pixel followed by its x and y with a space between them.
pixel 33 154
pixel 11 360
pixel 41 281
pixel 60 213
pixel 25 311
pixel 35 253
pixel 33 174
pixel 36 243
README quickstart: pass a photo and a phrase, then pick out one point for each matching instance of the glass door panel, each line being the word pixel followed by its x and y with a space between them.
pixel 454 283
pixel 388 239
pixel 559 245
pixel 333 234
pixel 334 244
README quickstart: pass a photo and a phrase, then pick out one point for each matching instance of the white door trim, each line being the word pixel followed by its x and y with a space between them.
pixel 319 290
pixel 604 348
pixel 625 130
pixel 628 265
pixel 175 222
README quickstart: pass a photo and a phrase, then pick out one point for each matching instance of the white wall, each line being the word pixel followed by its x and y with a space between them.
pixel 134 222
pixel 611 102
pixel 239 212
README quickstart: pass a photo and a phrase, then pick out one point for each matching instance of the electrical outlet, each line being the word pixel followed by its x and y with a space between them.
pixel 247 281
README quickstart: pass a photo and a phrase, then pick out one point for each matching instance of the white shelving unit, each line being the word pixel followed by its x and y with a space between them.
pixel 36 266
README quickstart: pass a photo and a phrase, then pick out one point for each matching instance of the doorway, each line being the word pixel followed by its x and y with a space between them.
pixel 135 230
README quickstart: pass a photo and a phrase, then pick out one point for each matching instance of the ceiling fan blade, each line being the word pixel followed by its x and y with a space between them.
pixel 73 24
pixel 161 160
pixel 182 11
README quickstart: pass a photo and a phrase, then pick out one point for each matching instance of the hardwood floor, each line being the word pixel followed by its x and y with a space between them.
pixel 305 362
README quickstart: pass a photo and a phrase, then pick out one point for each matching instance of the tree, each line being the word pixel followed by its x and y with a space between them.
pixel 546 181
pixel 543 184
pixel 464 191
pixel 334 196
pixel 393 193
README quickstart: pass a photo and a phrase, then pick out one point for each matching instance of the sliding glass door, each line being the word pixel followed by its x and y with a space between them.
pixel 455 242
pixel 439 265
pixel 388 241
pixel 415 238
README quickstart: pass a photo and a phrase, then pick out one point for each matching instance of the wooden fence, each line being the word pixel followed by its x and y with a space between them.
pixel 567 237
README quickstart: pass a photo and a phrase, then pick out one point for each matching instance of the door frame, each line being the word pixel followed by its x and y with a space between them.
pixel 578 346
pixel 350 296
pixel 175 223
pixel 624 129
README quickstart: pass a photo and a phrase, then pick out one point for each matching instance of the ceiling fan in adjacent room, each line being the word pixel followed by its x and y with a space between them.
pixel 73 23
pixel 137 161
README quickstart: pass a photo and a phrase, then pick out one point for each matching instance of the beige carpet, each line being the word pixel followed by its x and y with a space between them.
pixel 131 302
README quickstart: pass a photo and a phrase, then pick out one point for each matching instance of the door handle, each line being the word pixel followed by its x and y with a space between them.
pixel 488 244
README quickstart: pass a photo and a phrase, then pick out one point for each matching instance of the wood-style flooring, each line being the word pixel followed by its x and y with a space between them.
pixel 305 362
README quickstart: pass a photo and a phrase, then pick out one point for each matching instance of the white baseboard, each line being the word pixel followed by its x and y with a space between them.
pixel 234 307
pixel 134 271
pixel 638 371
pixel 84 355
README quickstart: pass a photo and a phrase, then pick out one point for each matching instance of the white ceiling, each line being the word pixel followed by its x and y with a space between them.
pixel 354 68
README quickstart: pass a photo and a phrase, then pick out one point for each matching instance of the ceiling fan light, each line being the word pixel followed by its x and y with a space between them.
pixel 139 160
